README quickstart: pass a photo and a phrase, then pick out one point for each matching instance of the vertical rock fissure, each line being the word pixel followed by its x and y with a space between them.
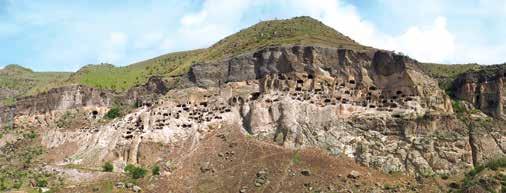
pixel 472 143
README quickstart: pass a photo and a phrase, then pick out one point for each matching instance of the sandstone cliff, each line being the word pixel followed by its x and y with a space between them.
pixel 484 89
pixel 78 96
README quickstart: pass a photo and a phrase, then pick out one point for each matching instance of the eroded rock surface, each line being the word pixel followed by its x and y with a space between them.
pixel 484 89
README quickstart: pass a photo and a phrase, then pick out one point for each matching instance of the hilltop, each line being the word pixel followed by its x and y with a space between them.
pixel 16 80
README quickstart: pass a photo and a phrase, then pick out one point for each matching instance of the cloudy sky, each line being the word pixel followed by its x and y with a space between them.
pixel 62 35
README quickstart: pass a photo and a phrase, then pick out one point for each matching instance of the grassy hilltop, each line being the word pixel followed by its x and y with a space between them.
pixel 19 81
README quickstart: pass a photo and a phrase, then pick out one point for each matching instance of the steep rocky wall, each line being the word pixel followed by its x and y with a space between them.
pixel 395 75
pixel 402 138
pixel 59 99
pixel 150 91
pixel 77 96
pixel 484 89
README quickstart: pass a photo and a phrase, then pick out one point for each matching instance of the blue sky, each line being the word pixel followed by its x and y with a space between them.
pixel 62 35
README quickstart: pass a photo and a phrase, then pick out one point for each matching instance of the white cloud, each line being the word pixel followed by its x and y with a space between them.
pixel 429 39
pixel 476 28
pixel 114 47
pixel 215 20
pixel 431 43
pixel 342 17
pixel 426 43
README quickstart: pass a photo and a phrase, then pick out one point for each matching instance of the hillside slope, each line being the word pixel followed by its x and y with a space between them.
pixel 16 80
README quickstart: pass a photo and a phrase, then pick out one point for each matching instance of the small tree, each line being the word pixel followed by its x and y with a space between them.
pixel 113 113
pixel 155 170
pixel 137 104
pixel 138 172
pixel 108 167
pixel 135 172
pixel 41 182
pixel 129 168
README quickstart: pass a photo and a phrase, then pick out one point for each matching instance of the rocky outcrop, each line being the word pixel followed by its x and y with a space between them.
pixel 77 96
pixel 484 89
pixel 58 99
pixel 403 138
pixel 388 75
pixel 150 91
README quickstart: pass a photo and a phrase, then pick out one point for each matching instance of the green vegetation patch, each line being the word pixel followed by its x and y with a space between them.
pixel 113 113
pixel 107 167
pixel 65 120
pixel 20 81
pixel 296 158
pixel 473 178
pixel 447 73
pixel 135 172
pixel 20 163
pixel 155 170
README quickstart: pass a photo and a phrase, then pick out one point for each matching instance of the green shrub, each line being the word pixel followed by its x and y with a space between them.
pixel 296 157
pixel 138 172
pixel 445 176
pixel 497 163
pixel 457 107
pixel 155 170
pixel 492 164
pixel 128 168
pixel 137 104
pixel 8 128
pixel 41 182
pixel 17 184
pixel 470 179
pixel 9 101
pixel 113 113
pixel 3 187
pixel 135 172
pixel 31 135
pixel 108 167
pixel 65 120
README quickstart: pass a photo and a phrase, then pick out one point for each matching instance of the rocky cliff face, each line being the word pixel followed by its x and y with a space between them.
pixel 484 89
pixel 78 96
pixel 374 75
pixel 61 98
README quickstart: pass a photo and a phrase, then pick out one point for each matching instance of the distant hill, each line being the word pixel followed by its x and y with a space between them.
pixel 445 73
pixel 16 80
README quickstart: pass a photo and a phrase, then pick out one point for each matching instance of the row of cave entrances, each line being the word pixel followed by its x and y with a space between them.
pixel 342 84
